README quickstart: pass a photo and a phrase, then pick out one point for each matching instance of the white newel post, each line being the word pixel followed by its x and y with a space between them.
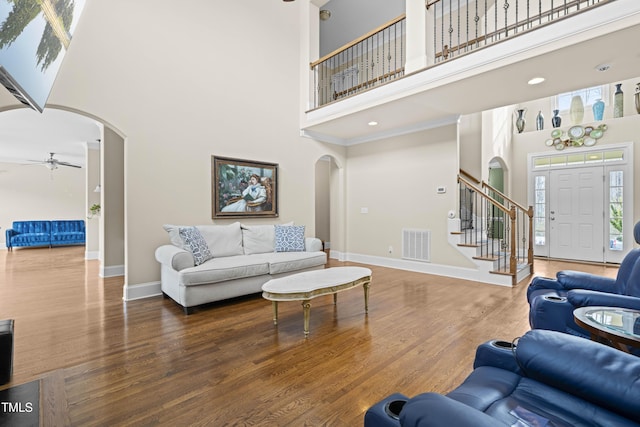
pixel 416 35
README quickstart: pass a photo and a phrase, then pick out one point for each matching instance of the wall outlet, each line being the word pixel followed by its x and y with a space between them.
pixel 390 249
pixel 364 210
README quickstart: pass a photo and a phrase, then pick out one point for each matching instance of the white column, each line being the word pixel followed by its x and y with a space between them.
pixel 416 36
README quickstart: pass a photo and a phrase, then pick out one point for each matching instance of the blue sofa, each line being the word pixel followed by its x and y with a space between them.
pixel 548 379
pixel 46 233
pixel 552 301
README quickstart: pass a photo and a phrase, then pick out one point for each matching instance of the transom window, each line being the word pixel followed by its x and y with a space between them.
pixel 589 96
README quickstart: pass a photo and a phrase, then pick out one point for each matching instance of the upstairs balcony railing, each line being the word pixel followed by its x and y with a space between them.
pixel 460 26
pixel 373 59
pixel 454 28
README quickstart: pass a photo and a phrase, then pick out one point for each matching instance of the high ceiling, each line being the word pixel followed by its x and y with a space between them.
pixel 28 135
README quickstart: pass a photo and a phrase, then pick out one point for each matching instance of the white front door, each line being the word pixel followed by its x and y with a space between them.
pixel 576 213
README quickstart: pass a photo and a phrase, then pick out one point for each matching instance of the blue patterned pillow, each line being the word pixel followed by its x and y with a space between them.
pixel 194 242
pixel 289 238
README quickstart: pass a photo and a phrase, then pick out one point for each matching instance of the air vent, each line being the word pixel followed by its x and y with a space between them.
pixel 416 245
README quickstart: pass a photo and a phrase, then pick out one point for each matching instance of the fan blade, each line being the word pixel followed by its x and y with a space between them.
pixel 67 164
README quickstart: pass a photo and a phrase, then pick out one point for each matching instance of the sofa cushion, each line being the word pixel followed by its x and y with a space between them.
pixel 68 236
pixel 32 226
pixel 223 269
pixel 31 239
pixel 289 238
pixel 258 239
pixel 196 244
pixel 67 226
pixel 174 234
pixel 223 240
pixel 285 262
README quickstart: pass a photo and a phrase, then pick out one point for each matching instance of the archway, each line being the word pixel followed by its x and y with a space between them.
pixel 496 179
pixel 73 136
pixel 329 205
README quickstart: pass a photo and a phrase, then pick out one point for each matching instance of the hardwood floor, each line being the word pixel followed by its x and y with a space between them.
pixel 105 362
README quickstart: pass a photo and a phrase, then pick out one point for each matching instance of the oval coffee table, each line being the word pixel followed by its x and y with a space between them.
pixel 310 284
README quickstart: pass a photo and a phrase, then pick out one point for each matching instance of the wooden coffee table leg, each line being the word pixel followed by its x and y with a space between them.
pixel 366 297
pixel 275 312
pixel 306 307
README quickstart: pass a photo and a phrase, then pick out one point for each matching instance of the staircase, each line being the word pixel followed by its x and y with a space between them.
pixel 494 232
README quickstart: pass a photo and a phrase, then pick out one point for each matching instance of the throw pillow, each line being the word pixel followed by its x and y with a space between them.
pixel 196 244
pixel 289 238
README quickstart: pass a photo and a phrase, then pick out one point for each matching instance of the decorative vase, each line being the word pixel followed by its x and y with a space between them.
pixel 598 110
pixel 556 120
pixel 576 111
pixel 637 98
pixel 618 102
pixel 520 121
pixel 539 121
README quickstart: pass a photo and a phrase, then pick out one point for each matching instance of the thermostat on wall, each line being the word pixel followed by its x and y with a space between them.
pixel 441 190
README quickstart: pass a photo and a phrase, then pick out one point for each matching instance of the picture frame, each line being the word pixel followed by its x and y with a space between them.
pixel 243 188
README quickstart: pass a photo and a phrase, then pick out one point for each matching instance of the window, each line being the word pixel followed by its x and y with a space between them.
pixel 589 96
pixel 615 210
pixel 539 210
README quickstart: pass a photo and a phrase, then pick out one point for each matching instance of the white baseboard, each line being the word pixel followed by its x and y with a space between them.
pixel 140 291
pixel 92 255
pixel 111 271
pixel 419 267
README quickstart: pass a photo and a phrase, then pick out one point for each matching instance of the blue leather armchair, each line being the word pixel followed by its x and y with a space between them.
pixel 548 379
pixel 552 301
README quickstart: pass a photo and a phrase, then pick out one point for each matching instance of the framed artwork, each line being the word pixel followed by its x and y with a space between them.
pixel 243 188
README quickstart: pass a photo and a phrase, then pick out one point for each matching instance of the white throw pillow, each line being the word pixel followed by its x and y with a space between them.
pixel 289 238
pixel 223 240
pixel 259 239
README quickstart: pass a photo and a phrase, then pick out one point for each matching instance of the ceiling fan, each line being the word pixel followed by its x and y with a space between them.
pixel 53 163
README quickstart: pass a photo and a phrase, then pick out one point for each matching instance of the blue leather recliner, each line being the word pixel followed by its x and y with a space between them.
pixel 552 301
pixel 548 379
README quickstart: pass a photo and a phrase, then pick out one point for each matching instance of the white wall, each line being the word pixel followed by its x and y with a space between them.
pixel 351 19
pixel 396 180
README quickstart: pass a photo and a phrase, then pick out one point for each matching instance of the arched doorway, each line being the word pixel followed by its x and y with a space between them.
pixel 66 192
pixel 496 179
pixel 329 205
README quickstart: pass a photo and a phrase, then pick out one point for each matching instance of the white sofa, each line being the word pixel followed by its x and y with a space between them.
pixel 244 257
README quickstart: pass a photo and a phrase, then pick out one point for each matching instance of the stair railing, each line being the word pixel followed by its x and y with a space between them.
pixel 524 221
pixel 501 230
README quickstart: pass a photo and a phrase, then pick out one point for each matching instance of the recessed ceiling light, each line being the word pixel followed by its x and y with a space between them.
pixel 373 123
pixel 536 80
